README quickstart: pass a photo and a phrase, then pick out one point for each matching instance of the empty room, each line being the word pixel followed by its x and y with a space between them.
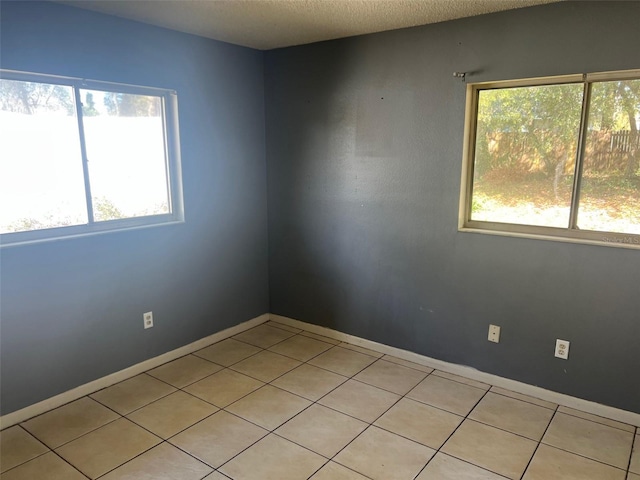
pixel 320 239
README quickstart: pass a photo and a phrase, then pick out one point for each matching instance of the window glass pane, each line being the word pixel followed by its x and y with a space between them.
pixel 525 154
pixel 41 179
pixel 610 193
pixel 124 136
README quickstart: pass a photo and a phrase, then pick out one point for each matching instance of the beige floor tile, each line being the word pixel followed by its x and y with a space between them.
pixel 358 348
pixel 136 392
pixel 68 422
pixel 444 467
pixel 420 422
pixel 266 366
pixel 269 407
pixel 334 471
pixel 595 418
pixel 360 400
pixel 460 379
pixel 390 376
pixel 218 438
pixel 172 414
pixel 273 458
pixel 492 449
pixel 224 387
pixel 381 455
pixel 309 382
pixel 108 447
pixel 288 328
pixel 322 338
pixel 184 371
pixel 48 466
pixel 512 415
pixel 227 352
pixel 524 398
pixel 216 476
pixel 634 467
pixel 322 430
pixel 342 361
pixel 589 439
pixel 633 476
pixel 550 463
pixel 17 446
pixel 301 348
pixel 264 336
pixel 446 394
pixel 164 462
pixel 406 363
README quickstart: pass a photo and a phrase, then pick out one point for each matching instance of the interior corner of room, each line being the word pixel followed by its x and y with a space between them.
pixel 321 183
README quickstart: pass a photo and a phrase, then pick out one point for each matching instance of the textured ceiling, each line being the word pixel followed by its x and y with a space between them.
pixel 267 24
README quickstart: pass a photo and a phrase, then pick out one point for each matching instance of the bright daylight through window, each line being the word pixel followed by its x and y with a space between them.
pixel 554 157
pixel 81 156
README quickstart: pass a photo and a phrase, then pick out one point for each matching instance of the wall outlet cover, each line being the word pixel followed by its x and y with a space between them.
pixel 494 333
pixel 147 319
pixel 562 349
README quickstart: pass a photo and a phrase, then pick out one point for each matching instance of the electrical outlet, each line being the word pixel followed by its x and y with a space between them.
pixel 148 319
pixel 494 333
pixel 562 349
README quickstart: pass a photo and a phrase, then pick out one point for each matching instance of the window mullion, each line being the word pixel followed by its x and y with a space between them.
pixel 582 139
pixel 83 151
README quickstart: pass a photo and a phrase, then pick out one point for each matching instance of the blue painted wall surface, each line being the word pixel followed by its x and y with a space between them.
pixel 364 149
pixel 71 310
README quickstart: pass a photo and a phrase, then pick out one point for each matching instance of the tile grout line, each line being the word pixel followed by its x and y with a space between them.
pixel 596 421
pixel 466 417
pixel 535 450
pixel 633 445
pixel 2 472
pixel 371 424
pixel 525 401
pixel 572 452
pixel 69 463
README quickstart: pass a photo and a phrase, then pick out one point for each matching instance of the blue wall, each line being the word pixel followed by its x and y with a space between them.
pixel 364 148
pixel 71 310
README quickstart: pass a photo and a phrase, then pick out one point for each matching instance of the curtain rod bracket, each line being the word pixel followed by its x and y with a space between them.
pixel 461 75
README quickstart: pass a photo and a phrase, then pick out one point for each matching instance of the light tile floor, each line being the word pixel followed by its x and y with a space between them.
pixel 278 403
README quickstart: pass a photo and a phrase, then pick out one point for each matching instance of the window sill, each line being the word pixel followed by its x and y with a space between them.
pixel 616 240
pixel 8 240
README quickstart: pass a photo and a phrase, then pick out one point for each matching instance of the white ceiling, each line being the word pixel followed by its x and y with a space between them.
pixel 267 24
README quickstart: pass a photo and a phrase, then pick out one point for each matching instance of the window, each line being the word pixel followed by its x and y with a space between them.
pixel 554 158
pixel 81 156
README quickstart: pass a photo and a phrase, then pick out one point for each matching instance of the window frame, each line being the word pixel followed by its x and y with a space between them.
pixel 173 168
pixel 571 233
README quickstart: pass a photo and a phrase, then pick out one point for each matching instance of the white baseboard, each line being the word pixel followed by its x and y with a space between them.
pixel 606 411
pixel 91 387
pixel 18 416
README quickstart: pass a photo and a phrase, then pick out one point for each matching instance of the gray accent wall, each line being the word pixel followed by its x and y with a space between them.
pixel 71 310
pixel 364 153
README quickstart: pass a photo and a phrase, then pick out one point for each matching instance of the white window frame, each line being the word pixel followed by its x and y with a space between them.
pixel 571 233
pixel 169 104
